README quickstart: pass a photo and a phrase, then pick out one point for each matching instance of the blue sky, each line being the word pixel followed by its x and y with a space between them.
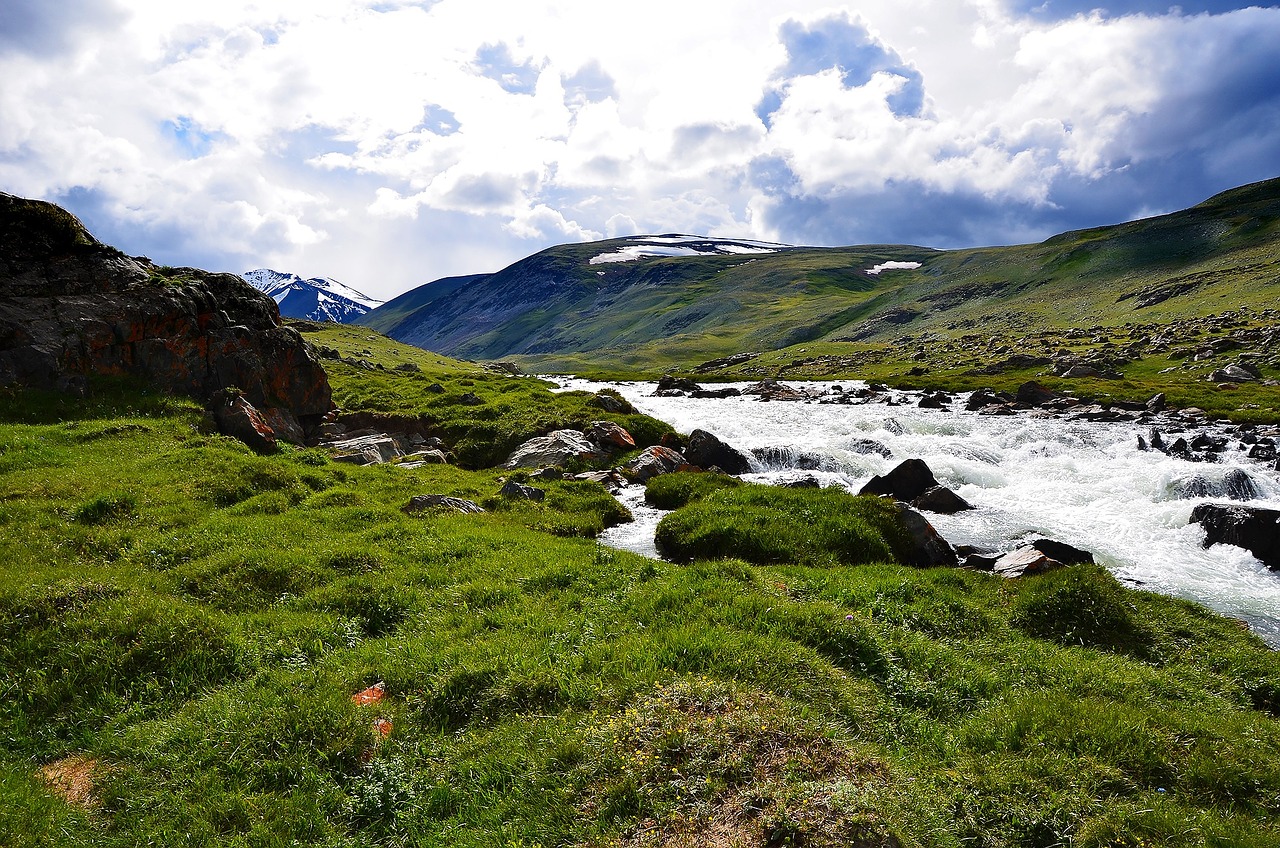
pixel 388 144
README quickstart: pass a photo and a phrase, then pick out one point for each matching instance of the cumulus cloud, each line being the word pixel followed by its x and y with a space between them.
pixel 389 143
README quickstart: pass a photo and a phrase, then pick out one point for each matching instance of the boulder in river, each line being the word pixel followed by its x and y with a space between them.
pixel 1033 394
pixel 1252 528
pixel 707 451
pixel 1024 561
pixel 1062 552
pixel 908 481
pixel 942 500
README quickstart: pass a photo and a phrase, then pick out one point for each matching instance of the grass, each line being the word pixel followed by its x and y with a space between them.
pixel 184 624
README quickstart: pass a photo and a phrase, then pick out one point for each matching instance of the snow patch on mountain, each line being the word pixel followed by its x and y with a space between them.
pixel 317 299
pixel 875 270
pixel 650 247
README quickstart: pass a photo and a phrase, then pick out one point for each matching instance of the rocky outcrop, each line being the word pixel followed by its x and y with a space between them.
pixel 72 308
pixel 421 503
pixel 705 450
pixel 1254 529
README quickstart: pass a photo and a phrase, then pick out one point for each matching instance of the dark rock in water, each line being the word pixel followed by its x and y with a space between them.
pixel 419 503
pixel 706 450
pixel 869 446
pixel 1025 561
pixel 1156 404
pixel 984 398
pixel 672 383
pixel 925 548
pixel 1236 484
pixel 726 392
pixel 894 426
pixel 1062 552
pixel 519 491
pixel 908 481
pixel 933 402
pixel 74 308
pixel 652 462
pixel 1262 451
pixel 1179 446
pixel 1254 529
pixel 942 500
pixel 1195 487
pixel 1033 394
pixel 1157 441
pixel 1239 486
pixel 806 482
pixel 1142 443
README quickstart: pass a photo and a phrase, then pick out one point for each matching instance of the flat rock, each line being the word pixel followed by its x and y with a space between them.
pixel 419 503
pixel 1024 561
pixel 557 448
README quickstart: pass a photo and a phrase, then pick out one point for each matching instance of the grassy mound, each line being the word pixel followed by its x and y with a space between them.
pixel 766 524
pixel 672 491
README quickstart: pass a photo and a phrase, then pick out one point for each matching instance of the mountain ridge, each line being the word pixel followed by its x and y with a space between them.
pixel 677 309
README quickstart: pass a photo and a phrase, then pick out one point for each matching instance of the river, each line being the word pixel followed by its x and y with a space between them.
pixel 1084 483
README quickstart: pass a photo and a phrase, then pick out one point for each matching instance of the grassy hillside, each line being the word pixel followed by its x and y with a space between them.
pixel 183 625
pixel 556 311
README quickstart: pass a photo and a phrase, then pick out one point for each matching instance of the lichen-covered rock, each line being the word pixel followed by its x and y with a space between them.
pixel 72 307
pixel 610 436
pixel 653 462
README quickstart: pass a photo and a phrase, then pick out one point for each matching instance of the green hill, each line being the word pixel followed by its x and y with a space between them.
pixel 557 309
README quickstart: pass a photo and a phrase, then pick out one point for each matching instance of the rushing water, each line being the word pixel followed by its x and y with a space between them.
pixel 1083 483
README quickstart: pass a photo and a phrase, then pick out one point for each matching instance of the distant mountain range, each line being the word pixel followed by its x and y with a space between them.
pixel 317 299
pixel 678 299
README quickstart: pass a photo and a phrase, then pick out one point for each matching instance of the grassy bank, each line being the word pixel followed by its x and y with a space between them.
pixel 185 623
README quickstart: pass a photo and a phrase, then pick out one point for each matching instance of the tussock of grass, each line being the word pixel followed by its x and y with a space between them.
pixel 766 524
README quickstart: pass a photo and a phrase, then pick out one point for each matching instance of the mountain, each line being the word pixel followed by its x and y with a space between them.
pixel 392 315
pixel 679 299
pixel 317 299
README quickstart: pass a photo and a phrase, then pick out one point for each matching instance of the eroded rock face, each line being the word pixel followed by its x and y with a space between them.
pixel 71 308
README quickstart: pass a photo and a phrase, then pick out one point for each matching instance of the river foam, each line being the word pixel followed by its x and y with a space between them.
pixel 1083 483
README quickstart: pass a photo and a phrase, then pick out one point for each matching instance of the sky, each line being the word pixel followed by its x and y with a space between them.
pixel 387 144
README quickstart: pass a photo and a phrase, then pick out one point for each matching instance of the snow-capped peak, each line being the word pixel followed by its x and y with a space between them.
pixel 317 299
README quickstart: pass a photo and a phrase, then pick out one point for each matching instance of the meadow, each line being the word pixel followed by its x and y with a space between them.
pixel 183 625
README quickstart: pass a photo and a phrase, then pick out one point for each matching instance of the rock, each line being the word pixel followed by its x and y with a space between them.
pixel 1033 394
pixel 789 457
pixel 925 548
pixel 736 359
pixel 609 436
pixel 512 489
pixel 367 450
pixel 771 389
pixel 1062 552
pixel 979 561
pixel 470 399
pixel 806 482
pixel 933 402
pixel 557 448
pixel 1232 374
pixel 1237 485
pixel 1254 529
pixel 942 500
pixel 672 383
pixel 417 459
pixel 908 481
pixel 983 398
pixel 238 418
pixel 74 307
pixel 1156 404
pixel 727 392
pixel 548 473
pixel 869 446
pixel 652 462
pixel 706 450
pixel 1024 561
pixel 612 402
pixel 1262 451
pixel 612 481
pixel 418 503
pixel 435 389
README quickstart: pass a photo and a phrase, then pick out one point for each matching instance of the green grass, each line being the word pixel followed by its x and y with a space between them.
pixel 190 620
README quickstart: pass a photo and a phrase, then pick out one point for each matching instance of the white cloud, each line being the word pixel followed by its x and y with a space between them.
pixel 313 133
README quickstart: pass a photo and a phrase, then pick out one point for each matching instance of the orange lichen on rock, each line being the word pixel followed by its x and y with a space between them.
pixel 372 695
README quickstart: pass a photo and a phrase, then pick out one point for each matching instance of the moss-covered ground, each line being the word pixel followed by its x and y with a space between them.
pixel 183 625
